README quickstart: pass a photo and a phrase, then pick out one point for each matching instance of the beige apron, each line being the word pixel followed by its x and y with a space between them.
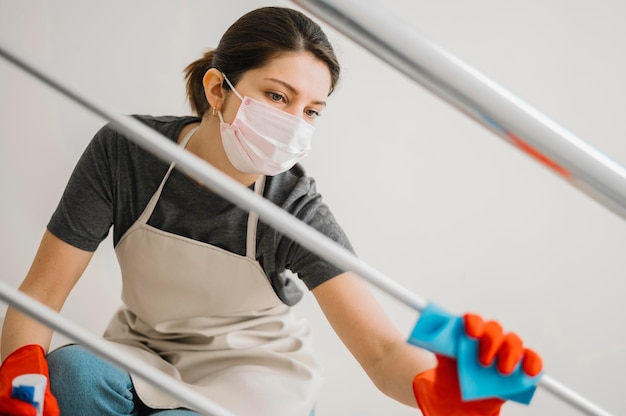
pixel 211 318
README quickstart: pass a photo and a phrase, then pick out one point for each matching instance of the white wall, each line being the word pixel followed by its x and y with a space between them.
pixel 428 197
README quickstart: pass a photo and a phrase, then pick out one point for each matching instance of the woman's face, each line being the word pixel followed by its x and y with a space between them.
pixel 297 83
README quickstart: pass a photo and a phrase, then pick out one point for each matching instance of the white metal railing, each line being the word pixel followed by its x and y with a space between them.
pixel 595 174
pixel 375 28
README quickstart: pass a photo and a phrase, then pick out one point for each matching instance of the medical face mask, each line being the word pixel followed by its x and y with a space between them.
pixel 263 139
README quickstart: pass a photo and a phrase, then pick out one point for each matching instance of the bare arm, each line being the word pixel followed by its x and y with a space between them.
pixel 55 270
pixel 371 337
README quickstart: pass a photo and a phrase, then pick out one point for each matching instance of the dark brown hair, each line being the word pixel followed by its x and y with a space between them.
pixel 252 41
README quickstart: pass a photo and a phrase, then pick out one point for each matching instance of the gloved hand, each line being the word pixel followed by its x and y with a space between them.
pixel 437 390
pixel 25 360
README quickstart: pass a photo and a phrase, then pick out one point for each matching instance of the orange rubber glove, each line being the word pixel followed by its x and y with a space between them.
pixel 437 390
pixel 25 360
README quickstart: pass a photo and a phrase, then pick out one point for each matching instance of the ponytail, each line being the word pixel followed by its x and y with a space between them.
pixel 194 74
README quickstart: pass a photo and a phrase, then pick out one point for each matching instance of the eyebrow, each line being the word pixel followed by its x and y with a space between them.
pixel 293 89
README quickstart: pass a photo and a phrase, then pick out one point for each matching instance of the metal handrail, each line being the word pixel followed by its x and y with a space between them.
pixel 387 36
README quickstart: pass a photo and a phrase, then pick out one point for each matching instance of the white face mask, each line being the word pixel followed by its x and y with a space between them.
pixel 263 139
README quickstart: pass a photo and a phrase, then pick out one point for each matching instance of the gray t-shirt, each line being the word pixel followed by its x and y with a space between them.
pixel 115 178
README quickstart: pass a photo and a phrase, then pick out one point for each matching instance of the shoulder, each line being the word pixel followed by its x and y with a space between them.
pixel 111 147
pixel 169 126
pixel 287 188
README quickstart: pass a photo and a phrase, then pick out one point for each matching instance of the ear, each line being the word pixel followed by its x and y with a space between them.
pixel 213 91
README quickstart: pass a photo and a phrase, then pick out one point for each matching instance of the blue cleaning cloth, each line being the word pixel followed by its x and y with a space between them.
pixel 440 332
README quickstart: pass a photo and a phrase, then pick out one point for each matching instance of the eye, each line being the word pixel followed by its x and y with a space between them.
pixel 276 97
pixel 312 113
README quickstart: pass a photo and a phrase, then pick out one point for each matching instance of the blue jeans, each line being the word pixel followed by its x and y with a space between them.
pixel 85 385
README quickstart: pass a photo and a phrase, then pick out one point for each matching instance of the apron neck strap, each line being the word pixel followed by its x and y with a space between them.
pixel 253 220
pixel 185 140
pixel 157 194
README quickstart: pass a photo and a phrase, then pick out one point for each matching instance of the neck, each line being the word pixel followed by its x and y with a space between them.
pixel 206 143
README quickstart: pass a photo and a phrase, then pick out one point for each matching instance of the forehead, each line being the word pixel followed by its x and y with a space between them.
pixel 301 70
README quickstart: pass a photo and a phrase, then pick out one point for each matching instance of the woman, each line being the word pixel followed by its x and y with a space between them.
pixel 205 296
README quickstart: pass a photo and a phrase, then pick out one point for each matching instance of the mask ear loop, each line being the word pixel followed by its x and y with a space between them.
pixel 232 87
pixel 219 114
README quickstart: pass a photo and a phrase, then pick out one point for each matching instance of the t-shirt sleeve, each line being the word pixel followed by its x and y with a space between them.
pixel 84 214
pixel 309 208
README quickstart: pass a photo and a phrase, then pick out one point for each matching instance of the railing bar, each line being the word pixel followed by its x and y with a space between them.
pixel 371 25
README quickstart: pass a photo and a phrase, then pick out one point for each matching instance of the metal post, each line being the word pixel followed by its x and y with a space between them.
pixel 388 37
